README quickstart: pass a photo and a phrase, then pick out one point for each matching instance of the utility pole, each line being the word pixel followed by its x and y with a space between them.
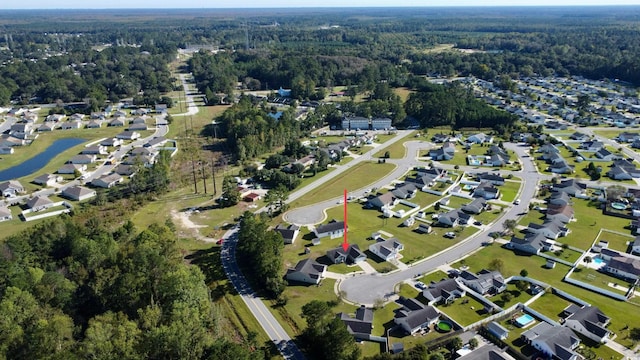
pixel 204 178
pixel 213 175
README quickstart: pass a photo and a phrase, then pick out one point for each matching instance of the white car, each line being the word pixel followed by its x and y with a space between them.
pixel 517 202
pixel 450 235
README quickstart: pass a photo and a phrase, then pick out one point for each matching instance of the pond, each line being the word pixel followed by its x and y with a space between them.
pixel 40 160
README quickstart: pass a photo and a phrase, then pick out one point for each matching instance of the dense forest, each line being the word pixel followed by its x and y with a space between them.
pixel 309 52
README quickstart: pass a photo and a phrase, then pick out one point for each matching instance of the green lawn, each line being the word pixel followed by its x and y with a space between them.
pixel 435 276
pixel 616 241
pixel 509 190
pixel 397 149
pixel 465 311
pixel 621 313
pixel 358 176
pixel 550 305
pixel 589 221
pixel 517 297
pixel 596 278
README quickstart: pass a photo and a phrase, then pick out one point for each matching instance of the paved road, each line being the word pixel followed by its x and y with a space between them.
pixel 366 289
pixel 274 330
pixel 314 214
pixel 192 108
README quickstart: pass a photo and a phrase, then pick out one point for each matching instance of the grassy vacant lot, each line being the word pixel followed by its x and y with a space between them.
pixel 397 149
pixel 621 313
pixel 589 221
pixel 356 177
pixel 509 190
pixel 611 133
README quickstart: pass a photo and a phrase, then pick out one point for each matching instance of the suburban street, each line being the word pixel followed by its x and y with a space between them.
pixel 272 328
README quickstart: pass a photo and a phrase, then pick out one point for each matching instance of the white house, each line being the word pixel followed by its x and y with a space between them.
pixel 387 250
pixel 306 271
pixel 47 179
pixel 128 135
pixel 78 193
pixel 11 188
pixel 107 181
pixel 334 229
pixel 39 203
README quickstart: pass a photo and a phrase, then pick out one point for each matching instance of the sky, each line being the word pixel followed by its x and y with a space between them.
pixel 155 4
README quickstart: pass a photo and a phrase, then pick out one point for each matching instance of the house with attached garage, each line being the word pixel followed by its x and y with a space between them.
pixel 387 250
pixel 628 137
pixel 551 229
pixel 39 203
pixel 559 198
pixel 107 181
pixel 333 229
pixel 572 187
pixel 78 193
pixel 635 246
pixel 47 179
pixel 454 218
pixel 486 190
pixel 579 136
pixel 532 243
pixel 5 214
pixel 289 232
pixel 307 271
pixel 128 135
pixel 405 191
pixel 71 125
pixel 83 159
pixel 484 282
pixel 352 255
pixel 111 142
pixel 620 264
pixel 117 121
pixel 11 188
pixel 446 152
pixel 414 316
pixel 361 324
pixel 588 321
pixel 591 146
pixel 494 179
pixel 562 213
pixel 606 155
pixel 443 292
pixel 556 342
pixel 94 124
pixel 72 168
pixel 383 202
pixel 480 138
pixel 47 126
pixel 499 156
pixel 476 206
pixel 95 150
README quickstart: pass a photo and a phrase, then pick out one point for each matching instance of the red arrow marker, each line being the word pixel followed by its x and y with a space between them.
pixel 345 243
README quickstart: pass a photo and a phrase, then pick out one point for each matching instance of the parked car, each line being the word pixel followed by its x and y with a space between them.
pixel 420 285
pixel 450 235
pixel 517 202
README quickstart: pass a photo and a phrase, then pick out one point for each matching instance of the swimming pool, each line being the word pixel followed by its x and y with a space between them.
pixel 598 261
pixel 524 320
pixel 619 206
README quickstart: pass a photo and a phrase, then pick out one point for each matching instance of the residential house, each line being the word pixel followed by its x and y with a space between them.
pixel 487 352
pixel 606 155
pixel 352 255
pixel 440 138
pixel 94 124
pixel 532 243
pixel 307 271
pixel 499 156
pixel 579 136
pixel 588 321
pixel 71 125
pixel 446 152
pixel 494 179
pixel 635 246
pixel 128 135
pixel 485 282
pixel 6 150
pixel 55 117
pixel 334 229
pixel 497 330
pixel 289 232
pixel 562 213
pixel 551 229
pixel 486 190
pixel 119 114
pixel 95 150
pixel 125 170
pixel 405 191
pixel 443 292
pixel 83 159
pixel 7 140
pixel 636 143
pixel 559 198
pixel 383 202
pixel 156 142
pixel 138 127
pixel 78 193
pixel 355 123
pixel 621 265
pixel 140 112
pixel 117 121
pixel 5 214
pixel 480 138
pixel 138 120
pixel 139 160
pixel 72 168
pixel 47 126
pixel 557 342
pixel 623 170
pixel 47 179
pixel 592 146
pixel 571 186
pixel 628 137
pixel 561 167
pixel 547 150
pixel 415 316
pixel 39 203
pixel 76 117
pixel 161 108
pixel 361 324
pixel 21 130
pixel 454 218
pixel 11 188
pixel 387 250
pixel 476 206
pixel 111 142
pixel 107 181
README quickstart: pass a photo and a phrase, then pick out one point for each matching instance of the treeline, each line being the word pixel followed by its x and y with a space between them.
pixel 250 131
pixel 454 105
pixel 74 290
pixel 261 251
pixel 111 74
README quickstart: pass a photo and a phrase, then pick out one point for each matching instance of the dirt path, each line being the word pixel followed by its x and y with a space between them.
pixel 189 228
